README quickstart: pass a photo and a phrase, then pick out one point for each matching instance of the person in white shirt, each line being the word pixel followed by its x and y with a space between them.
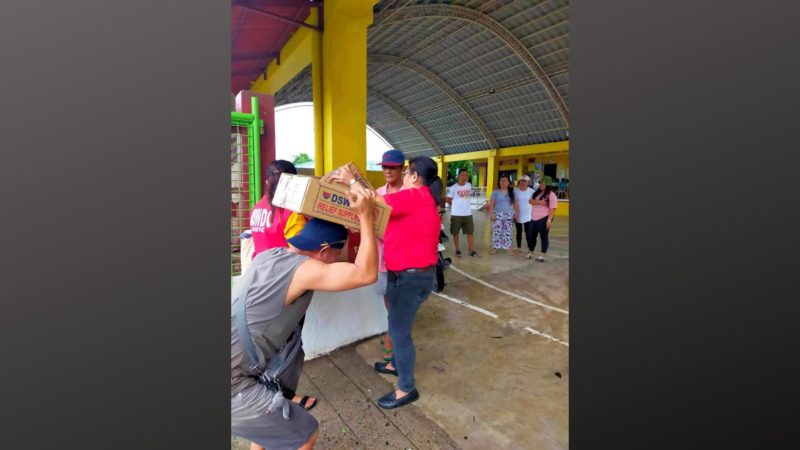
pixel 523 208
pixel 461 213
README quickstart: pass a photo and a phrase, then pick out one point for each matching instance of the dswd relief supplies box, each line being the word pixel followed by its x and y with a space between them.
pixel 311 197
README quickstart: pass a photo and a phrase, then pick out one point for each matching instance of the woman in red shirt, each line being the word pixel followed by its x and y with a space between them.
pixel 410 253
pixel 270 225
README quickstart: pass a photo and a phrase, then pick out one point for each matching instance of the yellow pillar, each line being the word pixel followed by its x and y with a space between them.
pixel 521 165
pixel 481 176
pixel 491 174
pixel 316 96
pixel 442 169
pixel 344 82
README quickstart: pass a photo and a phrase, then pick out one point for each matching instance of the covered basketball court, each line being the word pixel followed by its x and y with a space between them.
pixel 479 81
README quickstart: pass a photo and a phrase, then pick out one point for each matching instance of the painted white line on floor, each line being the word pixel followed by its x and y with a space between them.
pixel 467 305
pixel 494 316
pixel 539 333
pixel 525 299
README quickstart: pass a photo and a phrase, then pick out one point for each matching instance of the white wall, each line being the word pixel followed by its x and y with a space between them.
pixel 336 319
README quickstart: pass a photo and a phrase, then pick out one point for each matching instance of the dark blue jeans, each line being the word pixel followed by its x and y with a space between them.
pixel 540 228
pixel 406 291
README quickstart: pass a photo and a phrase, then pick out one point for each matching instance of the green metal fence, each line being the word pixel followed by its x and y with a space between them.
pixel 245 175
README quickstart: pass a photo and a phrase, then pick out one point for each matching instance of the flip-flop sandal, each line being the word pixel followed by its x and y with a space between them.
pixel 303 403
pixel 475 254
pixel 458 253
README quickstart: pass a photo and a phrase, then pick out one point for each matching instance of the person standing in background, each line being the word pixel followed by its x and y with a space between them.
pixel 461 213
pixel 502 211
pixel 544 202
pixel 392 164
pixel 522 196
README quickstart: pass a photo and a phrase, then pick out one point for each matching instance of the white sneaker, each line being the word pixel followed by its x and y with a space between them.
pixel 529 255
pixel 540 258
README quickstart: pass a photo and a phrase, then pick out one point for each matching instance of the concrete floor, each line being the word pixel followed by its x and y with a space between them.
pixel 485 382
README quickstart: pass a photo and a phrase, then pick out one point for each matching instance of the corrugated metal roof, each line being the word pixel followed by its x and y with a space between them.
pixel 257 35
pixel 464 75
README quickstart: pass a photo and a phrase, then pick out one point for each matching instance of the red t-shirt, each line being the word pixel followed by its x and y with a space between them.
pixel 269 226
pixel 412 234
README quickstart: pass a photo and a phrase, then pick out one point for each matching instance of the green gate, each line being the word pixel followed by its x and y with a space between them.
pixel 246 131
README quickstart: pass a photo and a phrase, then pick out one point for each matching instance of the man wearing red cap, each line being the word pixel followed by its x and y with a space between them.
pixel 392 163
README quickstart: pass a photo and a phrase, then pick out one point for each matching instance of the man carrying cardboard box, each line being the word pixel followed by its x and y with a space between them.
pixel 266 307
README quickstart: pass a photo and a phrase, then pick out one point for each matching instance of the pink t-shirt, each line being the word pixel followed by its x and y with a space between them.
pixel 268 224
pixel 381 263
pixel 539 212
pixel 412 235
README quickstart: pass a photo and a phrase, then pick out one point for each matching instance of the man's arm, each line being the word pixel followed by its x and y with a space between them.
pixel 341 276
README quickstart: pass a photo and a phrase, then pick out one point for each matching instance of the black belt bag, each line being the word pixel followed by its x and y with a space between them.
pixel 267 373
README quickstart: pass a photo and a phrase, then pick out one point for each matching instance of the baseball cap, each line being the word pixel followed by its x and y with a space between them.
pixel 526 178
pixel 393 158
pixel 318 233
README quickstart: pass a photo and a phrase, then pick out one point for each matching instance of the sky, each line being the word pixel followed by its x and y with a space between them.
pixel 294 134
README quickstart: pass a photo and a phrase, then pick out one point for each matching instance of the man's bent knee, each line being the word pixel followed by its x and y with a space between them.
pixel 311 441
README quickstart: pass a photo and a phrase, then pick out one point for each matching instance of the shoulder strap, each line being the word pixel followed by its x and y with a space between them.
pixel 254 358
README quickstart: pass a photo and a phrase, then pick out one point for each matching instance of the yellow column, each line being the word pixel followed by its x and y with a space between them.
pixel 491 174
pixel 344 82
pixel 521 166
pixel 316 96
pixel 442 169
pixel 481 176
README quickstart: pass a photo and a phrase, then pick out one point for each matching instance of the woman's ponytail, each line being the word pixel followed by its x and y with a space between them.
pixel 436 186
pixel 427 169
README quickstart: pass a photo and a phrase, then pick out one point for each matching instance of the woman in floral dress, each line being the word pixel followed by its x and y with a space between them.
pixel 502 212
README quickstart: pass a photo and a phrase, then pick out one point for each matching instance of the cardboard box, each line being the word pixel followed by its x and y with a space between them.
pixel 312 197
pixel 353 169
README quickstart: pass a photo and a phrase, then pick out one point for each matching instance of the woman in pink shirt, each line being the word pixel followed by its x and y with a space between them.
pixel 544 203
pixel 410 252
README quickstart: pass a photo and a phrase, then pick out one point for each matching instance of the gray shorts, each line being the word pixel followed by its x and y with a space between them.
pixel 249 420
pixel 381 284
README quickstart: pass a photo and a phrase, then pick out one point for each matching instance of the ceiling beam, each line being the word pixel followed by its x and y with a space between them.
pixel 407 117
pixel 443 86
pixel 247 6
pixel 488 23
